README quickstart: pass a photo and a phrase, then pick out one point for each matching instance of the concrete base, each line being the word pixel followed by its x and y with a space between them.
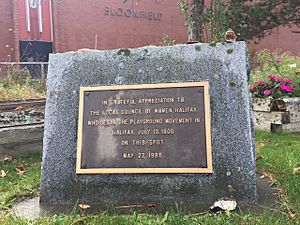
pixel 268 199
pixel 21 139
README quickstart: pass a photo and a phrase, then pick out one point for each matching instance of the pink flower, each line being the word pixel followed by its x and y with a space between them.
pixel 260 82
pixel 272 77
pixel 279 80
pixel 282 87
pixel 279 60
pixel 267 92
pixel 289 89
pixel 286 88
pixel 288 81
pixel 251 88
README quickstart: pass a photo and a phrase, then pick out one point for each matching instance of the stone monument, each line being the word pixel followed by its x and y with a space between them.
pixel 153 125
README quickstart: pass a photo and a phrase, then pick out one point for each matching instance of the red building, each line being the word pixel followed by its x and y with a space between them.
pixel 7 34
pixel 31 29
pixel 108 24
pixel 26 34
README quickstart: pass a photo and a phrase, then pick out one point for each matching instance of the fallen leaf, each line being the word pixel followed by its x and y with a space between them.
pixel 84 206
pixel 150 205
pixel 224 204
pixel 2 173
pixel 8 212
pixel 19 108
pixel 5 158
pixel 259 158
pixel 296 170
pixel 231 188
pixel 21 169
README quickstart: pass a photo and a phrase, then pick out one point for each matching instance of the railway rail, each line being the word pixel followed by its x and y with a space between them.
pixel 18 113
pixel 22 104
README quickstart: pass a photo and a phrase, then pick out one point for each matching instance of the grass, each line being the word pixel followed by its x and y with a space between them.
pixel 167 218
pixel 18 84
pixel 19 92
pixel 15 186
pixel 278 155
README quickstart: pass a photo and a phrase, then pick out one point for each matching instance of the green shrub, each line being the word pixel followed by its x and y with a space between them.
pixel 18 84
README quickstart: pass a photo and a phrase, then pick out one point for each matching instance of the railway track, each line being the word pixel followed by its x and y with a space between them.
pixel 22 112
pixel 25 104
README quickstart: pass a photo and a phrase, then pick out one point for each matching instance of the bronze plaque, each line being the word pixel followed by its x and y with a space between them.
pixel 148 128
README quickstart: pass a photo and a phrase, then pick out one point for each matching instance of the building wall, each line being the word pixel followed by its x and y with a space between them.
pixel 92 24
pixel 108 24
pixel 284 38
pixel 39 28
pixel 97 24
pixel 7 45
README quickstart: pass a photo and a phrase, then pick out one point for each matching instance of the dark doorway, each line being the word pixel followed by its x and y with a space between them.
pixel 33 53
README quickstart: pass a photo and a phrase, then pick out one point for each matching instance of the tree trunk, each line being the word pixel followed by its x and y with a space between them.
pixel 195 28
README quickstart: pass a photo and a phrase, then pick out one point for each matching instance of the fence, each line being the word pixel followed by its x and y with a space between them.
pixel 37 70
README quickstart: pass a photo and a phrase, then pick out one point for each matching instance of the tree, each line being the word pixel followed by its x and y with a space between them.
pixel 248 18
pixel 197 8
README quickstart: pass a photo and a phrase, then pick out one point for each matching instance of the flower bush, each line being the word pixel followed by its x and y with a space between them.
pixel 274 87
pixel 276 75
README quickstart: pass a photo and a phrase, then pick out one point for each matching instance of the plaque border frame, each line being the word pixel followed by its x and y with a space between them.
pixel 208 169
